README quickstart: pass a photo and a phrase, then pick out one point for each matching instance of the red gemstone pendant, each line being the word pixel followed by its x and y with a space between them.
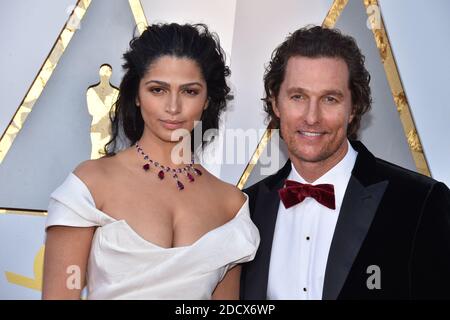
pixel 189 170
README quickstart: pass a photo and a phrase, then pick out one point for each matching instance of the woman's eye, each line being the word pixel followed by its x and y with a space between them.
pixel 157 90
pixel 191 92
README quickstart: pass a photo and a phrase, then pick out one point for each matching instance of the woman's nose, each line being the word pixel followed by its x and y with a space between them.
pixel 174 104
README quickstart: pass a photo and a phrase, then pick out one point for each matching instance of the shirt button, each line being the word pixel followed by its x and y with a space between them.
pixel 307 238
pixel 304 289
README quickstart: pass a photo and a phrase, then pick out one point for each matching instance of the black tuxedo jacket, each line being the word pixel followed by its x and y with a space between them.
pixel 390 217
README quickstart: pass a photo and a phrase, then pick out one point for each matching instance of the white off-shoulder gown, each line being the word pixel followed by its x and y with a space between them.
pixel 123 265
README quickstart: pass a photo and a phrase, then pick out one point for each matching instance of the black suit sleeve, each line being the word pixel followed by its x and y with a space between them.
pixel 249 192
pixel 430 260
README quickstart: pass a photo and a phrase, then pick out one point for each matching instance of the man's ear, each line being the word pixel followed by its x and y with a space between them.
pixel 352 115
pixel 275 109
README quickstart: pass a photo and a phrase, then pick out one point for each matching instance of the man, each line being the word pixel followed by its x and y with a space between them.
pixel 336 222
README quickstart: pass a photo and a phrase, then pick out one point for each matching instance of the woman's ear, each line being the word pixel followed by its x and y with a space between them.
pixel 206 104
pixel 136 101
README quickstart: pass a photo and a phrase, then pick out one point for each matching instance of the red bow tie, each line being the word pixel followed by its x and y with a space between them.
pixel 296 192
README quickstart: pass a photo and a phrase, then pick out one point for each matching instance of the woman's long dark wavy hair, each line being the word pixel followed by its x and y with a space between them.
pixel 316 42
pixel 195 42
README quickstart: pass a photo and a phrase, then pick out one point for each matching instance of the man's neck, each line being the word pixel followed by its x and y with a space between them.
pixel 311 171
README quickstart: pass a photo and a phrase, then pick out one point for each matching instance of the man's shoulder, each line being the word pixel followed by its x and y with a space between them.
pixel 410 185
pixel 391 171
pixel 251 190
pixel 377 169
pixel 271 181
pixel 267 182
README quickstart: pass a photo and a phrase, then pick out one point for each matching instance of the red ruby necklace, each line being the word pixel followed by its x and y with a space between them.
pixel 187 170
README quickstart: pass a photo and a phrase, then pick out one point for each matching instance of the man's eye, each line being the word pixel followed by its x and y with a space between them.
pixel 329 99
pixel 298 97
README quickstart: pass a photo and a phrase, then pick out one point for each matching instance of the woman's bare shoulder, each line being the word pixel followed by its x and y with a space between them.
pixel 231 197
pixel 95 174
pixel 97 169
pixel 92 170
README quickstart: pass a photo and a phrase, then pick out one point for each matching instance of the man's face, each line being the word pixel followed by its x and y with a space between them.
pixel 315 108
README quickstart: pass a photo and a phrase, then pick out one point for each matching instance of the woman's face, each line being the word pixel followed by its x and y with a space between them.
pixel 172 95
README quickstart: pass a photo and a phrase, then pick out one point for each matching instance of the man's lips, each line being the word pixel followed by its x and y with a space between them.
pixel 311 133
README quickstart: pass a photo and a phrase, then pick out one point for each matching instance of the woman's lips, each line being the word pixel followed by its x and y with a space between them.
pixel 171 124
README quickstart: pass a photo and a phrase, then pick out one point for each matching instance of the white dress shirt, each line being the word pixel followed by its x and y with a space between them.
pixel 302 238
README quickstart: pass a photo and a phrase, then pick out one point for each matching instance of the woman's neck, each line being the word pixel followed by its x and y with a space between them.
pixel 171 154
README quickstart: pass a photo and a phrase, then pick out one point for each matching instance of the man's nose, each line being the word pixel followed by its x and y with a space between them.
pixel 312 115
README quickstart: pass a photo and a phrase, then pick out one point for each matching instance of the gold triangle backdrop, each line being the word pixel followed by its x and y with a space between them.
pixel 106 92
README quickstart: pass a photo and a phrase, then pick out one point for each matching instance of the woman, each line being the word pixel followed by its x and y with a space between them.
pixel 136 224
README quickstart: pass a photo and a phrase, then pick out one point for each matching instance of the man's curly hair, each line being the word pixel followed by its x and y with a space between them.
pixel 316 42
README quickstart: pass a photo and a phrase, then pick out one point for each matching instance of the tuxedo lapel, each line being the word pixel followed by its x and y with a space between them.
pixel 264 217
pixel 362 197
